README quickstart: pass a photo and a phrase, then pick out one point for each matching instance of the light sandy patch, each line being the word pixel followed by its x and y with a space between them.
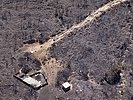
pixel 51 68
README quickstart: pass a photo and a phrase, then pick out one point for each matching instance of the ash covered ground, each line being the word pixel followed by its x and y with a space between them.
pixel 97 59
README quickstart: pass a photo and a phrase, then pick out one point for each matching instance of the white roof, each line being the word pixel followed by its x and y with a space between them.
pixel 32 81
pixel 66 85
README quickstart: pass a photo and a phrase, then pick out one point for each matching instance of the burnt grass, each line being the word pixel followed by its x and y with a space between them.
pixel 90 53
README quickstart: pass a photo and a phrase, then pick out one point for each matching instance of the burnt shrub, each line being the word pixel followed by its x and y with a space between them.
pixel 113 77
pixel 25 69
pixel 29 41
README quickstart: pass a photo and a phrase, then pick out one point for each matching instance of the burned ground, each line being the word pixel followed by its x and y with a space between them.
pixel 100 48
pixel 89 56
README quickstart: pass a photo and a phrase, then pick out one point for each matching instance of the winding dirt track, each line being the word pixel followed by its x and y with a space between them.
pixel 38 48
pixel 41 51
